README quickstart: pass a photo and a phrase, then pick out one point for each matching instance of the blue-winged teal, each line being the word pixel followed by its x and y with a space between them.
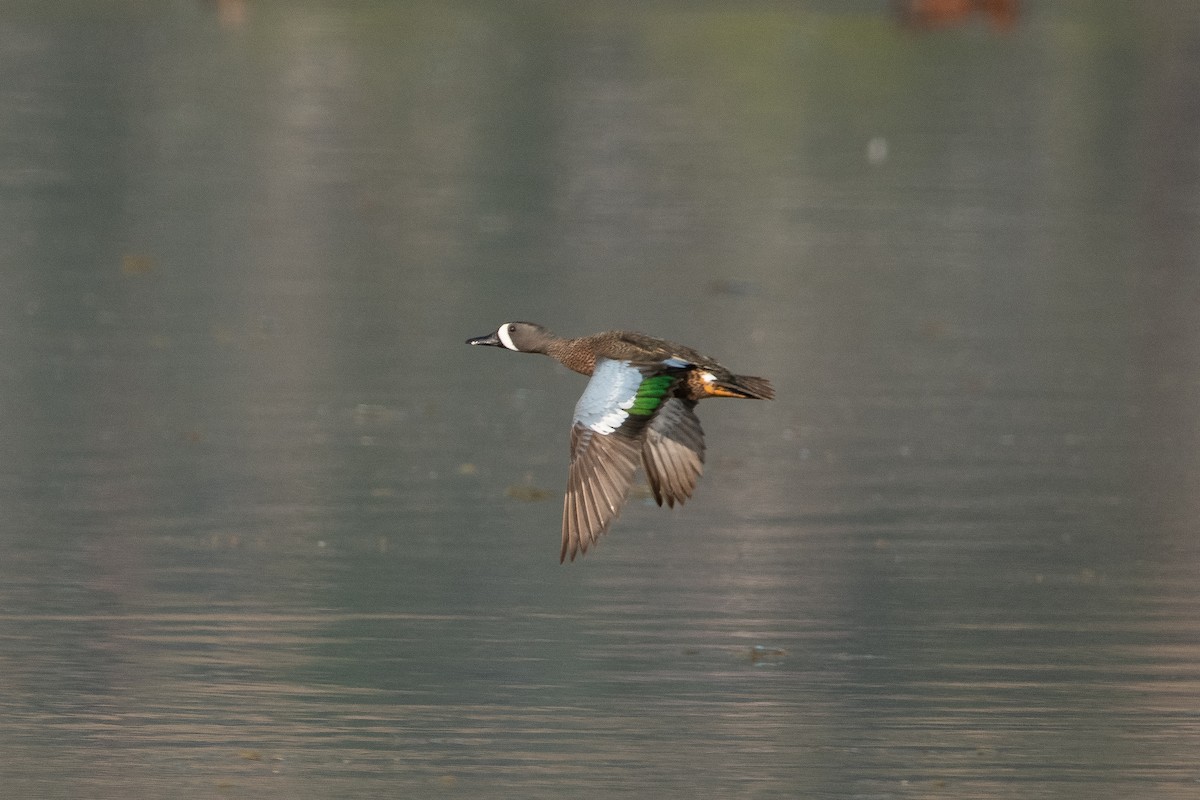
pixel 639 402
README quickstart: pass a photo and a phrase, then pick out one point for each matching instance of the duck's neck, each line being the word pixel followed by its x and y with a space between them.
pixel 573 354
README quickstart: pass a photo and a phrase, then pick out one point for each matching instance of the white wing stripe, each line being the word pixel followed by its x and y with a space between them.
pixel 611 391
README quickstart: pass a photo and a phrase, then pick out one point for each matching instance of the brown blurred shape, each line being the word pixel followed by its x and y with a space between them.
pixel 933 14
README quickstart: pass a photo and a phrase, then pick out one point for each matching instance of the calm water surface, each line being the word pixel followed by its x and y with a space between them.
pixel 269 529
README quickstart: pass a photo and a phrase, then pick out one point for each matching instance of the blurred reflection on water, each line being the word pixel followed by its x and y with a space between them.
pixel 270 529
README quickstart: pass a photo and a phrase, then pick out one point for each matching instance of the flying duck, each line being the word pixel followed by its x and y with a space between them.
pixel 639 406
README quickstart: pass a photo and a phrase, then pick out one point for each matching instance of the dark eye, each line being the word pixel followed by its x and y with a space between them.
pixel 512 328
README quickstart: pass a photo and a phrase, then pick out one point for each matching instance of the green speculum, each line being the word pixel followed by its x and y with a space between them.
pixel 650 394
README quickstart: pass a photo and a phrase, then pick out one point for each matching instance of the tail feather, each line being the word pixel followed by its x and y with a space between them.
pixel 748 387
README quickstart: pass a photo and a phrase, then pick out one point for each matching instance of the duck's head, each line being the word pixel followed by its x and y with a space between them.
pixel 522 337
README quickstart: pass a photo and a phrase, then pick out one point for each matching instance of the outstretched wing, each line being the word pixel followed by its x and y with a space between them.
pixel 602 467
pixel 606 443
pixel 673 451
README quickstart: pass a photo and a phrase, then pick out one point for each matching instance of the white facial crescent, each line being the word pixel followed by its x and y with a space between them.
pixel 506 337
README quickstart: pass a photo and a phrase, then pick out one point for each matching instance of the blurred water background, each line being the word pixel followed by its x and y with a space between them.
pixel 268 528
